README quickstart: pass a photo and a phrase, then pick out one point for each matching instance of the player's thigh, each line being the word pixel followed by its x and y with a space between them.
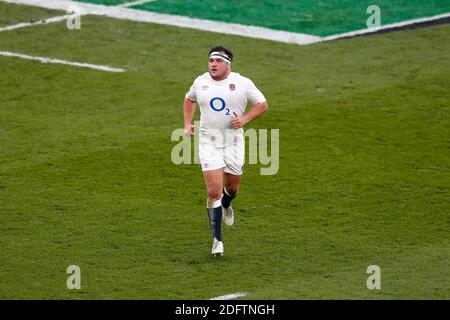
pixel 214 182
pixel 211 158
pixel 234 159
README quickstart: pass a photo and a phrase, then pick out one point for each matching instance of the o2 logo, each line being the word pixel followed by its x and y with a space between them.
pixel 220 103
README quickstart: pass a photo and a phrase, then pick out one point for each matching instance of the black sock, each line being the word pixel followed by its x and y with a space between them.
pixel 227 198
pixel 215 221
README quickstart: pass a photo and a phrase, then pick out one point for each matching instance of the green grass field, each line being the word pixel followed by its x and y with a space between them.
pixel 321 18
pixel 86 176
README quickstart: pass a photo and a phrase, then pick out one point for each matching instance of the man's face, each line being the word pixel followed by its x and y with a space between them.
pixel 218 68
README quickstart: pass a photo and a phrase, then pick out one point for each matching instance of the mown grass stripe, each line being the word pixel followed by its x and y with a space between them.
pixel 59 61
pixel 30 24
pixel 173 20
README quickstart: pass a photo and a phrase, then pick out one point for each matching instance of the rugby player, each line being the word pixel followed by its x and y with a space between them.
pixel 222 96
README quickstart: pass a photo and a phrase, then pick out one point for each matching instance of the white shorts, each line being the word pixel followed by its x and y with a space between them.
pixel 230 156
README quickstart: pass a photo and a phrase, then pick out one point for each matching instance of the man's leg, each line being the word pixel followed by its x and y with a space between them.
pixel 214 185
pixel 234 159
pixel 231 188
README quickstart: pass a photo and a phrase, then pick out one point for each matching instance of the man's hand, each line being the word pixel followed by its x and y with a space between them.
pixel 189 130
pixel 237 122
pixel 255 112
pixel 188 114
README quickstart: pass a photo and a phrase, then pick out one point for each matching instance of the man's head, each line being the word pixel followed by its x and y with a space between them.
pixel 219 65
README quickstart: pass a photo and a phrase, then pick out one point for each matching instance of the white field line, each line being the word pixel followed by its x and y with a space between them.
pixel 134 3
pixel 230 296
pixel 43 21
pixel 59 61
pixel 120 12
pixel 173 20
pixel 62 18
pixel 50 60
pixel 385 27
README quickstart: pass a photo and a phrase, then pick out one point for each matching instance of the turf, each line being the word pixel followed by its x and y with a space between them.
pixel 320 18
pixel 13 14
pixel 86 176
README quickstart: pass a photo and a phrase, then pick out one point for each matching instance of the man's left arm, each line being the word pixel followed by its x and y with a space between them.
pixel 257 110
pixel 258 101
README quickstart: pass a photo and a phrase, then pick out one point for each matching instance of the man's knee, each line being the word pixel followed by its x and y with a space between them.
pixel 232 190
pixel 214 193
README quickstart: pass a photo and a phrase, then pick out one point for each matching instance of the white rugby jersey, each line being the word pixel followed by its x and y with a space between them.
pixel 219 99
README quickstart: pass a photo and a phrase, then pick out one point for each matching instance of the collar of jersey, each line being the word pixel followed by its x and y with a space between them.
pixel 225 81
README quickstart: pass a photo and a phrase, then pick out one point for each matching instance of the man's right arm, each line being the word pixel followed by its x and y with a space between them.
pixel 188 113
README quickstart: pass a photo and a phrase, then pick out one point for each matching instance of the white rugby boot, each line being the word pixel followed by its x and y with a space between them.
pixel 217 248
pixel 228 215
